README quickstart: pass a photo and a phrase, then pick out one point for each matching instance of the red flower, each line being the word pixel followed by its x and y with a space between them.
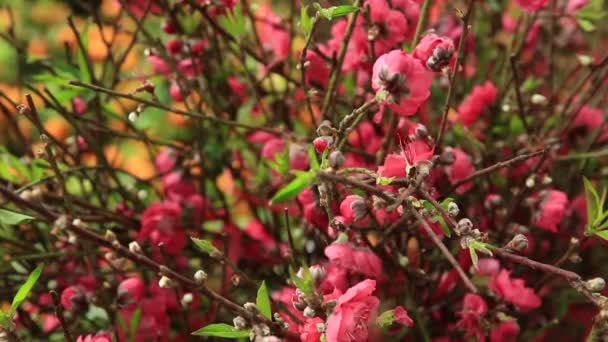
pixel 552 209
pixel 532 5
pixel 473 310
pixel 160 224
pixel 402 317
pixel 514 291
pixel 406 81
pixel 398 165
pixel 435 52
pixel 506 331
pixel 274 38
pixel 358 260
pixel 477 102
pixel 353 209
pixel 355 309
pixel 73 297
pixel 130 291
pixel 99 337
pixel 460 169
pixel 309 332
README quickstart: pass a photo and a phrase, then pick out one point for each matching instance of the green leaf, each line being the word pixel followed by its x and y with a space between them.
pixel 586 25
pixel 134 324
pixel 221 330
pixel 303 284
pixel 292 189
pixel 593 204
pixel 603 234
pixel 263 301
pixel 12 218
pixel 386 318
pixel 206 246
pixel 384 180
pixel 334 11
pixel 5 320
pixel 85 75
pixel 314 162
pixel 25 289
pixel 444 226
pixel 593 11
pixel 305 20
pixel 474 257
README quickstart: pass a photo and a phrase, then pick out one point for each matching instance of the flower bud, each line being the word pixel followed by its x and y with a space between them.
pixel 518 243
pixel 132 116
pixel 321 143
pixel 447 157
pixel 421 131
pixel 130 291
pixel 317 272
pixel 165 282
pixel 325 129
pixel 464 226
pixel 336 159
pixel 251 307
pixel 110 236
pixel 187 299
pixel 585 60
pixel 539 99
pixel 595 284
pixel 73 297
pixel 134 247
pixel 239 322
pixel 309 312
pixel 453 209
pixel 200 276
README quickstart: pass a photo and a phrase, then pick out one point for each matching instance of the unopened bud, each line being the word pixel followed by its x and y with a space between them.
pixel 251 307
pixel 317 272
pixel 309 312
pixel 78 223
pixel 518 243
pixel 23 109
pixel 336 159
pixel 423 168
pixel 133 116
pixel 464 226
pixel 134 247
pixel 421 131
pixel 200 276
pixel 187 299
pixel 325 129
pixel 539 99
pixel 110 236
pixel 359 208
pixel 585 60
pixel 595 284
pixel 447 157
pixel 453 209
pixel 239 322
pixel 165 282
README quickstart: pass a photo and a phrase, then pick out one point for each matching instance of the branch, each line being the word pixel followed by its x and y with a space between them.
pixel 454 73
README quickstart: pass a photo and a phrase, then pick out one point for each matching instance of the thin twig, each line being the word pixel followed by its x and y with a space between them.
pixel 59 313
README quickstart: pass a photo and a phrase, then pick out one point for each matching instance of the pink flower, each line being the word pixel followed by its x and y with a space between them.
pixel 356 50
pixel 353 312
pixel 391 25
pixel 256 230
pixel 552 209
pixel 354 259
pixel 177 187
pixel 460 169
pixel 532 5
pixel 130 291
pixel 506 331
pixel 317 71
pixel 435 52
pixel 398 164
pixel 159 65
pixel 160 223
pixel 488 266
pixel 477 102
pixel 473 310
pixel 73 297
pixel 353 209
pixel 274 38
pixel 404 78
pixel 176 92
pixel 588 117
pixel 335 278
pixel 402 317
pixel 99 337
pixel 309 332
pixel 138 7
pixel 514 291
pixel 165 160
pixel 575 5
pixel 79 105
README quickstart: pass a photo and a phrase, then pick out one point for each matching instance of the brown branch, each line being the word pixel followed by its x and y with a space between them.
pixel 59 313
pixel 496 167
pixel 453 74
pixel 444 250
pixel 521 109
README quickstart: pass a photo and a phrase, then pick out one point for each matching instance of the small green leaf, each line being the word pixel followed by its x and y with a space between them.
pixel 384 180
pixel 305 20
pixel 474 257
pixel 593 204
pixel 5 320
pixel 12 218
pixel 444 226
pixel 314 162
pixel 386 318
pixel 292 189
pixel 343 10
pixel 25 289
pixel 134 324
pixel 263 301
pixel 586 25
pixel 221 330
pixel 303 284
pixel 603 234
pixel 206 246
